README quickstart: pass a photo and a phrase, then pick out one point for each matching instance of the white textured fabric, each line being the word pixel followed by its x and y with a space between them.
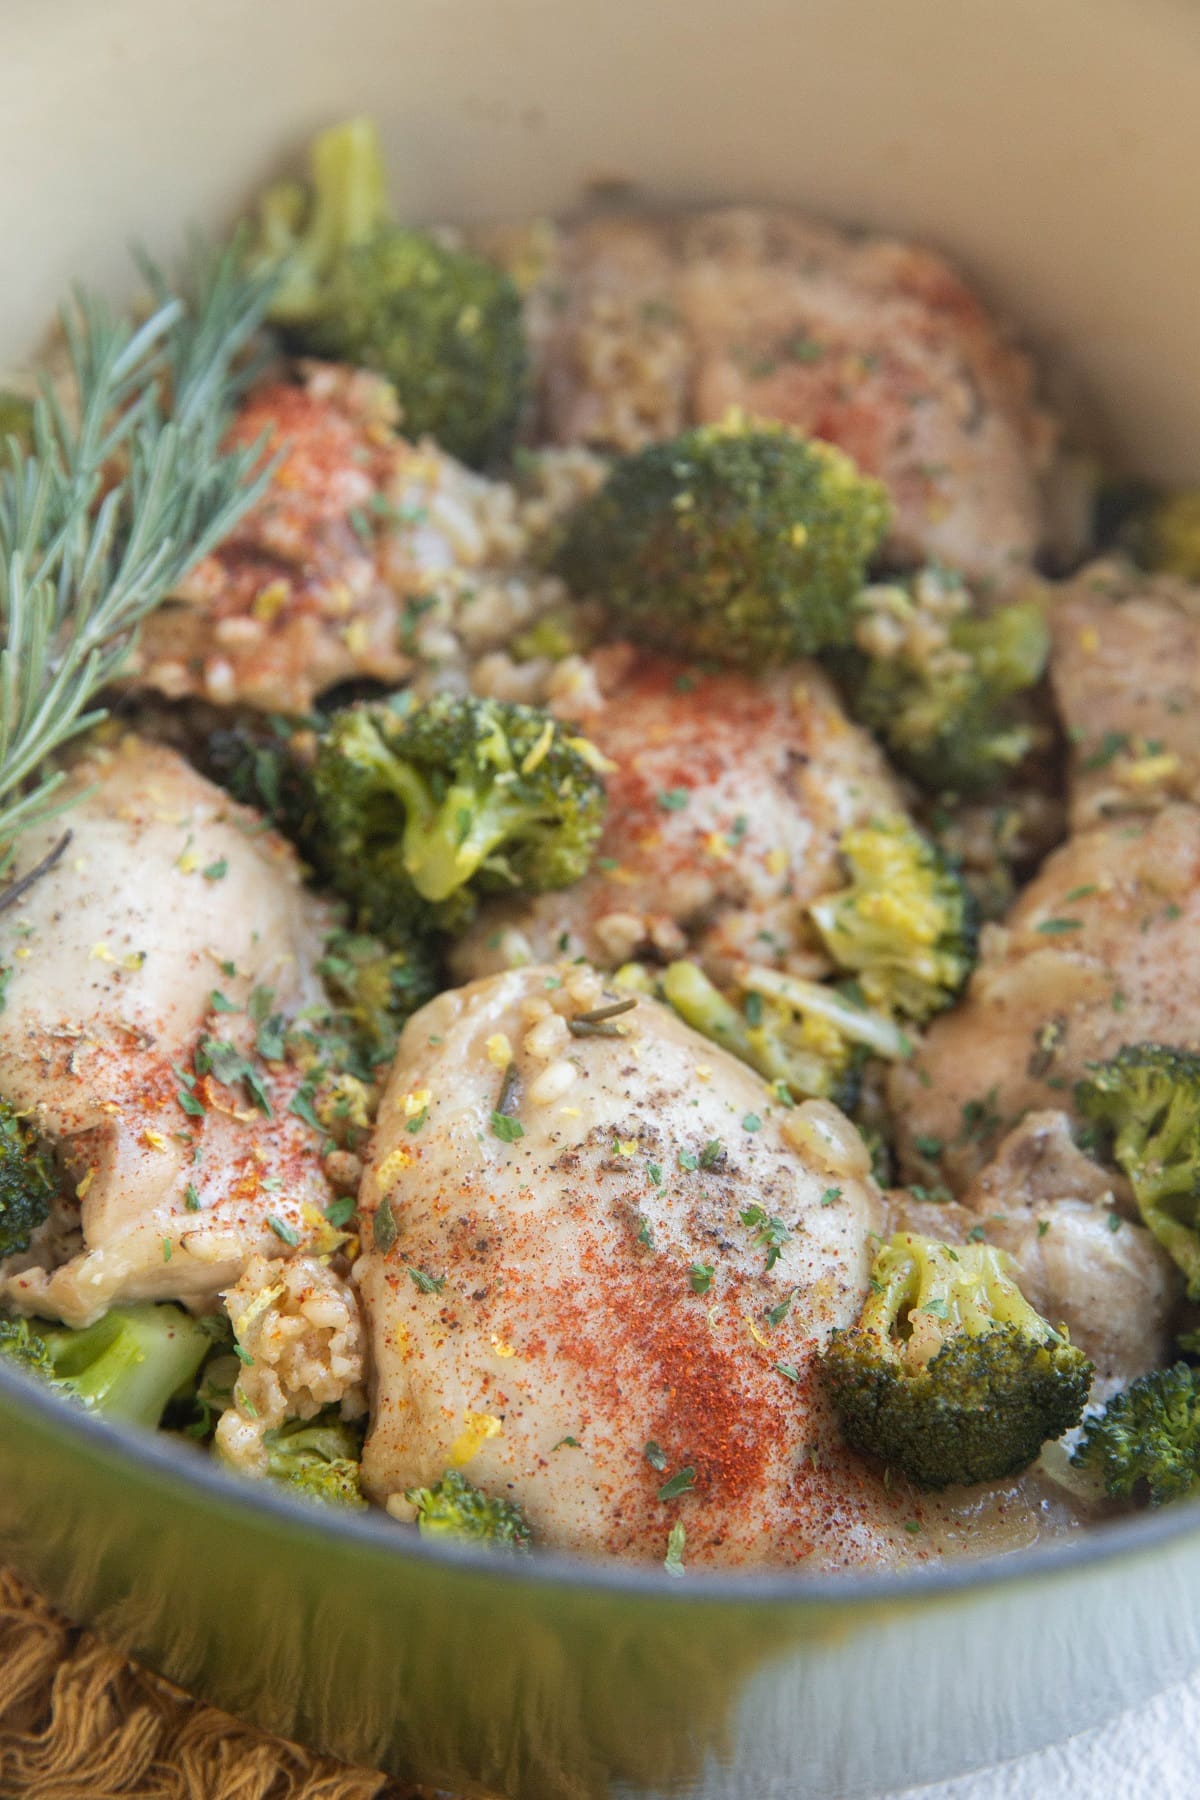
pixel 1151 1753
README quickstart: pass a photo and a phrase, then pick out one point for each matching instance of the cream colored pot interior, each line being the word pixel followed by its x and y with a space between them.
pixel 1052 145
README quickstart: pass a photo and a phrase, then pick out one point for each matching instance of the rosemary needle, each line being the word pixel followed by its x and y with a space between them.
pixel 124 490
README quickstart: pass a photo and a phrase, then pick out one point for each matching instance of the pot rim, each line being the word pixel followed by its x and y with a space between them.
pixel 372 1532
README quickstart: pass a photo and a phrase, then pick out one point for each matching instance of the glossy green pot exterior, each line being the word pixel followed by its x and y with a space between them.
pixel 550 1680
pixel 1056 149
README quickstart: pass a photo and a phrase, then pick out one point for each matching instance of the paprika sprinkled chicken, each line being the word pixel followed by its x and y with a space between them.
pixel 1098 951
pixel 1125 665
pixel 602 1260
pixel 131 963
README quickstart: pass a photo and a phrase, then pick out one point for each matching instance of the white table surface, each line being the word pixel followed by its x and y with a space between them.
pixel 1152 1753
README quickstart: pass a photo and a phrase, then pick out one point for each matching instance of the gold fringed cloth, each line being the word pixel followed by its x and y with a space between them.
pixel 79 1722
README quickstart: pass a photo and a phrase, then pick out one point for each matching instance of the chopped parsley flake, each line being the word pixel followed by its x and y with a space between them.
pixel 191 1198
pixel 1055 927
pixel 506 1129
pixel 287 1234
pixel 566 1443
pixel 1111 744
pixel 788 1370
pixel 775 1315
pixel 340 1212
pixel 417 1120
pixel 687 1161
pixel 751 1122
pixel 673 799
pixel 681 1483
pixel 219 1002
pixel 384 1230
pixel 654 1174
pixel 302 1106
pixel 700 1277
pixel 712 1153
pixel 426 1284
pixel 770 1233
pixel 654 1456
pixel 831 1195
pixel 216 871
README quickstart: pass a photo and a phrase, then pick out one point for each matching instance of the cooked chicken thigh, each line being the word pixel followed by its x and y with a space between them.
pixel 1080 1259
pixel 1125 665
pixel 1100 950
pixel 643 326
pixel 167 892
pixel 726 801
pixel 603 1297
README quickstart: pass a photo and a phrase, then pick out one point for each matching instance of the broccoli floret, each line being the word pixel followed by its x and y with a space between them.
pixel 1160 531
pixel 428 806
pixel 1146 1102
pixel 804 1052
pixel 905 927
pixel 26 1189
pixel 1148 1434
pixel 377 988
pixel 940 686
pixel 950 1375
pixel 127 1366
pixel 456 1508
pixel 265 761
pixel 741 542
pixel 318 1459
pixel 444 326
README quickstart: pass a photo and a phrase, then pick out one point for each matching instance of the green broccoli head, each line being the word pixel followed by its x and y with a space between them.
pixel 430 805
pixel 950 1375
pixel 455 1508
pixel 21 1345
pixel 377 988
pixel 807 1053
pixel 127 1366
pixel 318 1459
pixel 740 542
pixel 444 326
pixel 1148 1435
pixel 945 700
pixel 265 761
pixel 26 1187
pixel 905 927
pixel 1146 1103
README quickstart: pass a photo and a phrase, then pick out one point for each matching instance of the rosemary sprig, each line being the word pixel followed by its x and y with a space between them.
pixel 124 491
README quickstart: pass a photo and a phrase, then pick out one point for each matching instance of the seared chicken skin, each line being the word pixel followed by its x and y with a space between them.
pixel 1098 951
pixel 643 326
pixel 726 800
pixel 604 1301
pixel 1125 665
pixel 146 939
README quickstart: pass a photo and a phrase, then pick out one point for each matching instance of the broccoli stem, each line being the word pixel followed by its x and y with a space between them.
pixel 445 844
pixel 130 1363
pixel 349 203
